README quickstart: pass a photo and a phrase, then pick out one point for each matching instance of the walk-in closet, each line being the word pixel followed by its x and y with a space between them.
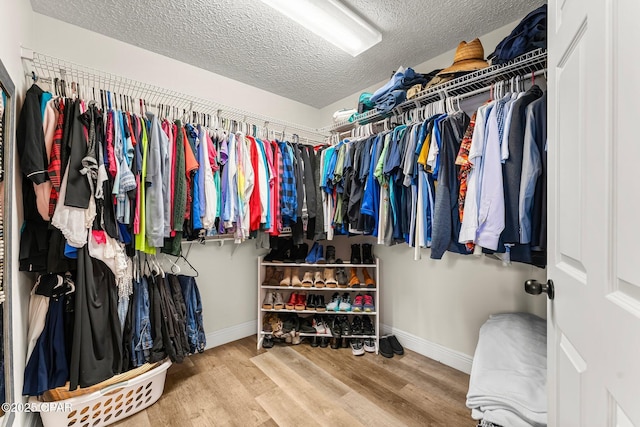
pixel 319 212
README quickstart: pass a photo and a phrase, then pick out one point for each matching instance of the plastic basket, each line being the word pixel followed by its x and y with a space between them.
pixel 106 406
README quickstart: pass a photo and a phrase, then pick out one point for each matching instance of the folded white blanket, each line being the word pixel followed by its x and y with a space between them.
pixel 509 373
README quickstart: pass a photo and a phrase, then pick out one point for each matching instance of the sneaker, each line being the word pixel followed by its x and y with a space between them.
pixel 356 326
pixel 345 302
pixel 395 345
pixel 267 302
pixel 367 326
pixel 318 324
pixel 278 301
pixel 357 347
pixel 370 345
pixel 335 302
pixel 345 326
pixel 336 327
pixel 358 303
pixel 385 348
pixel 368 303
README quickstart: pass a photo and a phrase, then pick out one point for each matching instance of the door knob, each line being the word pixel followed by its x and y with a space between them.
pixel 534 287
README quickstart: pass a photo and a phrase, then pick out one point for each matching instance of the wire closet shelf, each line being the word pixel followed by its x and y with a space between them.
pixel 531 62
pixel 47 68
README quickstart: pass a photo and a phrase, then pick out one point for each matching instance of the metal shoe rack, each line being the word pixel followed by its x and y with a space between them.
pixel 327 292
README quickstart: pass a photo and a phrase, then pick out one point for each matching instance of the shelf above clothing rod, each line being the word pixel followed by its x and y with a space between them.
pixel 531 62
pixel 47 68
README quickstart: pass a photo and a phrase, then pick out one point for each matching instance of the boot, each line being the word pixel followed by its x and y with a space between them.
pixel 286 280
pixel 329 277
pixel 368 281
pixel 295 278
pixel 356 256
pixel 354 282
pixel 269 275
pixel 275 251
pixel 367 254
pixel 331 254
pixel 307 280
pixel 341 277
pixel 319 258
pixel 311 258
pixel 300 253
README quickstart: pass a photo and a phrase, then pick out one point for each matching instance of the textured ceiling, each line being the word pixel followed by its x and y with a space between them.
pixel 248 41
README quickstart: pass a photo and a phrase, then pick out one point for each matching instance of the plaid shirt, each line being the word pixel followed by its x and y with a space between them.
pixel 55 164
pixel 288 196
pixel 465 166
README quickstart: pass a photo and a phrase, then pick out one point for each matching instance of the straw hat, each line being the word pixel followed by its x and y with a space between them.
pixel 468 57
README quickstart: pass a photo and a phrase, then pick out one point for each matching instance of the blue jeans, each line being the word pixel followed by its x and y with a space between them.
pixel 195 327
pixel 141 341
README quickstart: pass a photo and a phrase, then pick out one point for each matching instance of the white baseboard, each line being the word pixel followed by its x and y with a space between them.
pixel 232 333
pixel 455 359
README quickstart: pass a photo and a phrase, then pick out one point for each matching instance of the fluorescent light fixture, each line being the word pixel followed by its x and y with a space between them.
pixel 332 21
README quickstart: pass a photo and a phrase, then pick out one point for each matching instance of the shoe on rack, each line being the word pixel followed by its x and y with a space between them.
pixel 341 277
pixel 357 347
pixel 315 341
pixel 335 343
pixel 307 279
pixel 385 348
pixel 311 302
pixel 318 325
pixel 344 342
pixel 319 257
pixel 356 326
pixel 334 304
pixel 368 305
pixel 320 305
pixel 395 345
pixel 301 301
pixel 300 252
pixel 267 341
pixel 367 326
pixel 318 280
pixel 295 338
pixel 329 277
pixel 306 327
pixel 311 258
pixel 295 277
pixel 354 282
pixel 331 254
pixel 324 342
pixel 345 327
pixel 345 302
pixel 336 327
pixel 278 301
pixel 368 281
pixel 291 303
pixel 276 254
pixel 288 253
pixel 267 302
pixel 367 254
pixel 356 256
pixel 370 345
pixel 269 276
pixel 358 302
pixel 286 279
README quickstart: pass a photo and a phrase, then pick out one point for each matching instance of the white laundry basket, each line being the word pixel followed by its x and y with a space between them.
pixel 106 406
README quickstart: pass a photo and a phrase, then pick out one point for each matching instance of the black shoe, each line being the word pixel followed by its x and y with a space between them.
pixel 320 305
pixel 395 345
pixel 345 326
pixel 306 327
pixel 344 343
pixel 336 327
pixel 311 302
pixel 330 254
pixel 300 252
pixel 367 326
pixel 324 342
pixel 356 256
pixel 356 326
pixel 385 348
pixel 267 342
pixel 315 341
pixel 367 255
pixel 335 343
pixel 288 252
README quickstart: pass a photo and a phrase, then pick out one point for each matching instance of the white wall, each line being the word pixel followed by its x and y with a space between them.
pixel 75 44
pixel 489 42
pixel 14 31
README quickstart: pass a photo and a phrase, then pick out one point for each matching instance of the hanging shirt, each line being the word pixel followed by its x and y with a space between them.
pixel 154 195
pixel 211 198
pixel 141 242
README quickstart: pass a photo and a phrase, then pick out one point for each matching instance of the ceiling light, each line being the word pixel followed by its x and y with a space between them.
pixel 332 21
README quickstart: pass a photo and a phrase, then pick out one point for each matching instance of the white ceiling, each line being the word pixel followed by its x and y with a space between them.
pixel 248 41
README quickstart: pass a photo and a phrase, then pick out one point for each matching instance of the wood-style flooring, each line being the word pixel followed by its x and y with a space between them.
pixel 235 384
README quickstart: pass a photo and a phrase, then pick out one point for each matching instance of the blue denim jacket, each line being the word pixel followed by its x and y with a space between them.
pixel 195 327
pixel 141 342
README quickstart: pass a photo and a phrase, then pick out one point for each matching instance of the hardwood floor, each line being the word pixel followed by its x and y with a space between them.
pixel 237 385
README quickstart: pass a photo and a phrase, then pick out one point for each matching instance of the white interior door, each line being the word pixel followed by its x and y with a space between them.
pixel 594 204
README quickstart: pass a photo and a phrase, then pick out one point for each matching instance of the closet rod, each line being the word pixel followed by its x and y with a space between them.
pixel 47 68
